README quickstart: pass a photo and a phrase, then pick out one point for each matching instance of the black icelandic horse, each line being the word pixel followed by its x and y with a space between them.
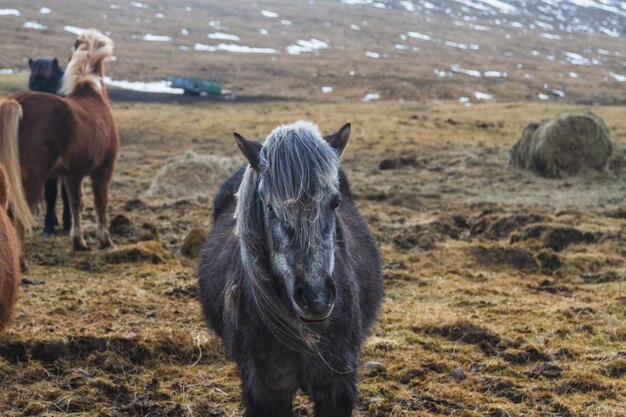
pixel 46 76
pixel 290 276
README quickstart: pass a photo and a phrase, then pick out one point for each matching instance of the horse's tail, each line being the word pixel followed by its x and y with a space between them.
pixel 10 116
pixel 86 64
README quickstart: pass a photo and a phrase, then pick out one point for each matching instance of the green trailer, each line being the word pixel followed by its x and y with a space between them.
pixel 193 86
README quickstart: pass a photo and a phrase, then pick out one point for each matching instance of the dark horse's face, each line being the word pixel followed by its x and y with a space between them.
pixel 45 75
pixel 299 191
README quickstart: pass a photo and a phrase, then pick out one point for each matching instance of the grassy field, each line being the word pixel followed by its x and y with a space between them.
pixel 504 292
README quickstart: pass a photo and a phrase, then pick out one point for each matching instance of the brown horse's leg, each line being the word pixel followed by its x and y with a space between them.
pixel 101 180
pixel 74 186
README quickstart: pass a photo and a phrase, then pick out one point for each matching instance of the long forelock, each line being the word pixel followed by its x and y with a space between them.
pixel 298 169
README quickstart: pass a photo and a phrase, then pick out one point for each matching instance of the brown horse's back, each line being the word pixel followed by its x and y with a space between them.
pixel 60 136
pixel 44 132
pixel 9 259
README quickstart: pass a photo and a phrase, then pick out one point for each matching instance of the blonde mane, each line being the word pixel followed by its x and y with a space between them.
pixel 85 66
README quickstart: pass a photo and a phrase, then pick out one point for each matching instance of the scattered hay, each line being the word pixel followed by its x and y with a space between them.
pixel 151 252
pixel 563 146
pixel 192 176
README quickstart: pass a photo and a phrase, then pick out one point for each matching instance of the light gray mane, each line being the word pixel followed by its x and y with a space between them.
pixel 298 167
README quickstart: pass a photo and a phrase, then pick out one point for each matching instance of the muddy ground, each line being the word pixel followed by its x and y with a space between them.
pixel 505 293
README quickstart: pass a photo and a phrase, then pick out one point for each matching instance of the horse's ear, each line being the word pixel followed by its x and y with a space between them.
pixel 55 63
pixel 339 139
pixel 30 63
pixel 250 149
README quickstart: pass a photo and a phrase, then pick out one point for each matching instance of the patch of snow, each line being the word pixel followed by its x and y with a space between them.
pixel 8 71
pixel 371 54
pixel 45 10
pixel 573 75
pixel 420 36
pixel 370 97
pixel 9 12
pixel 34 25
pixel 327 89
pixel 184 32
pixel 229 47
pixel 355 27
pixel 285 22
pixel 464 99
pixel 460 70
pixel 618 77
pixel 223 36
pixel 73 29
pixel 264 31
pixel 551 36
pixel 139 5
pixel 542 96
pixel 558 93
pixel 270 14
pixel 302 46
pixel 495 74
pixel 482 96
pixel 146 87
pixel 156 38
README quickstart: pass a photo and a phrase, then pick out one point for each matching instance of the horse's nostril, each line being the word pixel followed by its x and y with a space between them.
pixel 299 298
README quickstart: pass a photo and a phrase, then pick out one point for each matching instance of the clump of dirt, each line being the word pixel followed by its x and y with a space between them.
pixel 151 252
pixel 501 227
pixel 123 227
pixel 563 146
pixel 604 277
pixel 556 237
pixel 545 370
pixel 582 384
pixel 193 242
pixel 495 256
pixel 466 332
pixel 191 176
pixel 426 236
pixel 525 354
pixel 549 261
pixel 395 163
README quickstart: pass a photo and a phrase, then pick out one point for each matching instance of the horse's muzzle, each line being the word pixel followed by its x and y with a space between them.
pixel 312 305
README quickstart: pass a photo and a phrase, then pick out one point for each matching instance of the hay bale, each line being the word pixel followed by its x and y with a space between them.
pixel 192 176
pixel 563 146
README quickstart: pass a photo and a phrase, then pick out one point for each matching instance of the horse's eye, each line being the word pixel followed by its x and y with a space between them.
pixel 334 203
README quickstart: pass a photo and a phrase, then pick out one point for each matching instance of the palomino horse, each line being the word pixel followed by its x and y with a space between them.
pixel 9 258
pixel 72 137
pixel 290 276
pixel 46 76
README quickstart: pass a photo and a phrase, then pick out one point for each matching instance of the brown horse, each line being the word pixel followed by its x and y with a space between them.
pixel 9 258
pixel 72 137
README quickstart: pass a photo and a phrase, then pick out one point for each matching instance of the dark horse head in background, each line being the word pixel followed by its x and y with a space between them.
pixel 290 276
pixel 45 75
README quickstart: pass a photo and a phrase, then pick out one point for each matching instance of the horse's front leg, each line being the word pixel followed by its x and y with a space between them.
pixel 263 397
pixel 101 180
pixel 335 398
pixel 74 187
